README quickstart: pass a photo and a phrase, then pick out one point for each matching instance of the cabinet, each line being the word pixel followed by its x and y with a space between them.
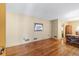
pixel 68 29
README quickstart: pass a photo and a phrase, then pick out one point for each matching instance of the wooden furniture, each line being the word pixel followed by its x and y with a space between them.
pixel 68 29
pixel 73 39
pixel 2 24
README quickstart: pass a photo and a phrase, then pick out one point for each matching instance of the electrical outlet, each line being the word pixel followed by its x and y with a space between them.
pixel 55 36
pixel 26 39
pixel 35 38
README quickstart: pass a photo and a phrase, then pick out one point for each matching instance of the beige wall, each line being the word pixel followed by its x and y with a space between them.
pixel 60 25
pixel 54 28
pixel 20 27
pixel 57 26
pixel 61 28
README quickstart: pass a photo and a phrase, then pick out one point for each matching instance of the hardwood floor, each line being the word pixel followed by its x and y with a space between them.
pixel 48 47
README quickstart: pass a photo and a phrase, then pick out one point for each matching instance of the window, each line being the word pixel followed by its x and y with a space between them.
pixel 38 27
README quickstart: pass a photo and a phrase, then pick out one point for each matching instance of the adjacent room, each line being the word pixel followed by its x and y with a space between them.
pixel 42 29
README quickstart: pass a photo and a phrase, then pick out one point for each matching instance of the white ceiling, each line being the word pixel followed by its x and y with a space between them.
pixel 46 10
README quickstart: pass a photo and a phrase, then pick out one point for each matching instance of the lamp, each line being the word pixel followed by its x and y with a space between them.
pixel 77 30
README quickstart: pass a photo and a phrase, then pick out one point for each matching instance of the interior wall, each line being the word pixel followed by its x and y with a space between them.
pixel 57 28
pixel 20 27
pixel 54 28
pixel 2 25
pixel 61 28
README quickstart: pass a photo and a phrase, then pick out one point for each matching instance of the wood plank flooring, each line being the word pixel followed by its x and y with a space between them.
pixel 48 47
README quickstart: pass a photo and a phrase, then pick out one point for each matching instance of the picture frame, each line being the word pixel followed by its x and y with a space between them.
pixel 38 27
